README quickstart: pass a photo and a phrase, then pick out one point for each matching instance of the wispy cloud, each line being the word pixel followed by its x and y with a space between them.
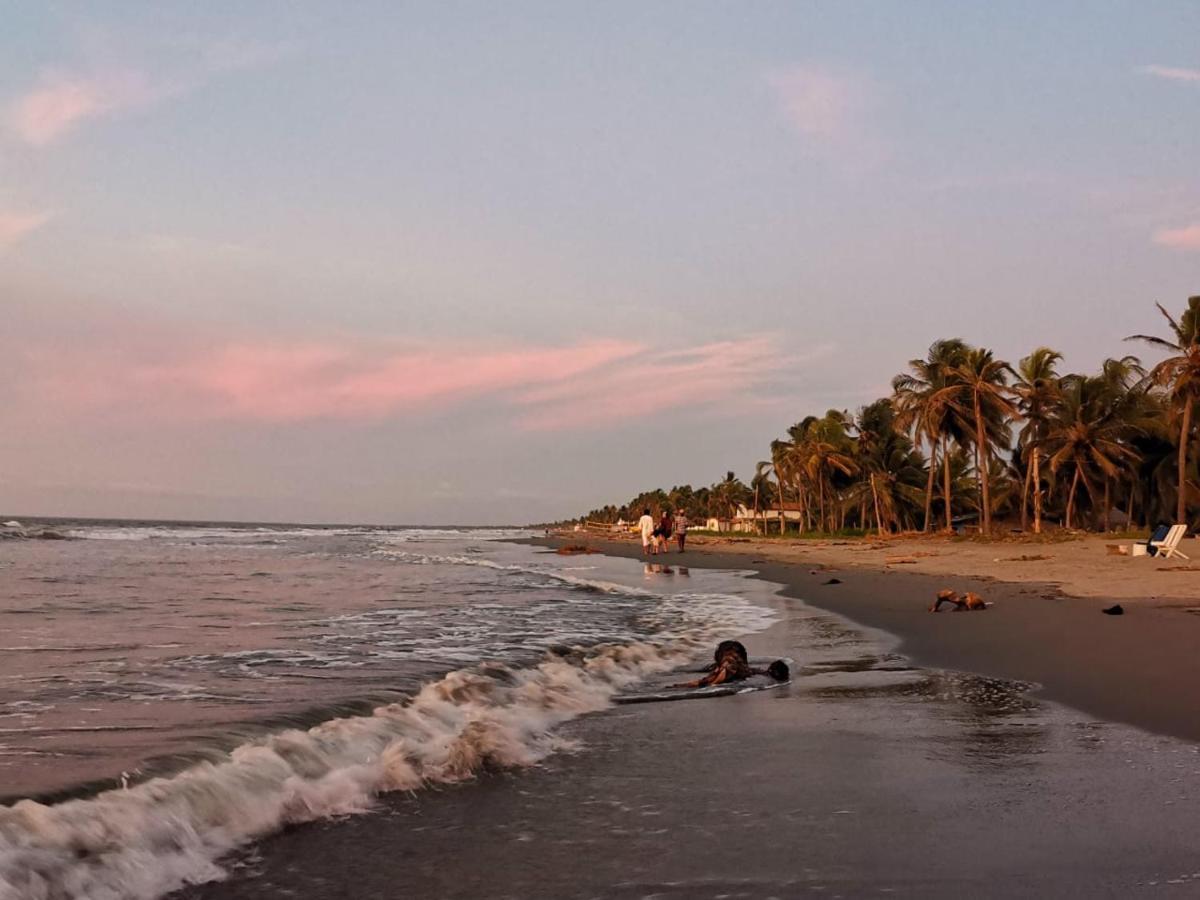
pixel 829 110
pixel 63 98
pixel 693 378
pixel 15 225
pixel 1185 238
pixel 586 384
pixel 1172 73
pixel 61 102
pixel 277 382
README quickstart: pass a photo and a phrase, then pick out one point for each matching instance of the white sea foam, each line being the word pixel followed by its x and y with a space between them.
pixel 163 834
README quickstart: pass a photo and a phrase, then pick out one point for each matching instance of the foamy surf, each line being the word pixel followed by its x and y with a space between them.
pixel 155 837
pixel 459 604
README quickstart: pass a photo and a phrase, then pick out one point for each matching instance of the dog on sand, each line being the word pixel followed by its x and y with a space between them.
pixel 968 602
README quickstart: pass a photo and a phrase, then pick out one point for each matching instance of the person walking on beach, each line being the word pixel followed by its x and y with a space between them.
pixel 663 532
pixel 681 524
pixel 646 527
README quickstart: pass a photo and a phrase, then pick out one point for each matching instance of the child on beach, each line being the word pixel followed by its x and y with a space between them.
pixel 662 533
pixel 731 663
pixel 646 527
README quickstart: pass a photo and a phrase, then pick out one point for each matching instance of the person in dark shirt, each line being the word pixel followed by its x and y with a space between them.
pixel 730 663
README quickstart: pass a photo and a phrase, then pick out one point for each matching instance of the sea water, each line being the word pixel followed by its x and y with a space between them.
pixel 168 693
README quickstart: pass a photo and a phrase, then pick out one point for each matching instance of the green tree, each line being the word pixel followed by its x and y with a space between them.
pixel 1037 392
pixel 1179 374
pixel 1088 434
pixel 921 409
pixel 978 392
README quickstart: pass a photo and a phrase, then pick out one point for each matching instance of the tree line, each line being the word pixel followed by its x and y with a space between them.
pixel 967 437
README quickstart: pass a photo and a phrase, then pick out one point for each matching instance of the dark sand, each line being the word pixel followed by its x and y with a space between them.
pixel 849 784
pixel 1142 668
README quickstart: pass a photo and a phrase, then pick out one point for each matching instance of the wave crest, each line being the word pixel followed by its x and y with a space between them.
pixel 158 836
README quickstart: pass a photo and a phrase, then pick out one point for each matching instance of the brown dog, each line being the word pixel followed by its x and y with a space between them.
pixel 968 602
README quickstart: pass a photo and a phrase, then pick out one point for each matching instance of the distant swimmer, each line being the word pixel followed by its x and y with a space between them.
pixel 730 663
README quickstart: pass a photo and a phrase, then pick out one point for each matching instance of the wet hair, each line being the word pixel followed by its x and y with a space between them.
pixel 726 647
pixel 646 511
pixel 779 670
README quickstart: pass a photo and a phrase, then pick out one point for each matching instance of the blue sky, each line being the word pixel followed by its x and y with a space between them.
pixel 498 262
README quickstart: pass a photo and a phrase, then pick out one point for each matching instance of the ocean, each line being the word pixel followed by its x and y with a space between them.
pixel 171 692
pixel 174 698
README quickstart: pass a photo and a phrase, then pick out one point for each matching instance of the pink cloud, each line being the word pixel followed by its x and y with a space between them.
pixel 816 102
pixel 294 383
pixel 1172 73
pixel 588 384
pixel 14 226
pixel 698 378
pixel 830 111
pixel 61 102
pixel 1186 238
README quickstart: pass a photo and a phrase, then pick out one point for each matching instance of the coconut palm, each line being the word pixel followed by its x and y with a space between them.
pixel 1179 374
pixel 763 489
pixel 1037 392
pixel 824 452
pixel 978 393
pixel 727 495
pixel 893 468
pixel 1087 433
pixel 917 410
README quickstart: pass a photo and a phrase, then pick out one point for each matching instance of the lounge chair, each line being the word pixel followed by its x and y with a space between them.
pixel 1169 546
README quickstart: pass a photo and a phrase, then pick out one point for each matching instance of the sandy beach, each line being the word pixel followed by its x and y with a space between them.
pixel 865 777
pixel 1044 624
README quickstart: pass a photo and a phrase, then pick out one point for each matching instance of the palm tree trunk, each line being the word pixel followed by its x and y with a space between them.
pixel 1037 491
pixel 1185 432
pixel 875 498
pixel 821 500
pixel 1129 511
pixel 1071 496
pixel 981 457
pixel 1025 498
pixel 946 481
pixel 929 483
pixel 1107 502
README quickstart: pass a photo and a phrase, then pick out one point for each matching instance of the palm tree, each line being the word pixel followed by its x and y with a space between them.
pixel 1037 391
pixel 761 485
pixel 894 469
pixel 1179 373
pixel 728 494
pixel 824 452
pixel 1087 433
pixel 978 392
pixel 918 410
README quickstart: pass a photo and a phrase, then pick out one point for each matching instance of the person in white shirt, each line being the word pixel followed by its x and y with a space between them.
pixel 646 527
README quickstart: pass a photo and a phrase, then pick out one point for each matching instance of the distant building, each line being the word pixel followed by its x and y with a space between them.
pixel 746 520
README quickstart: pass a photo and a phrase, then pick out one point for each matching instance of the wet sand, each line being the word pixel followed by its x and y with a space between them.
pixel 1142 668
pixel 864 777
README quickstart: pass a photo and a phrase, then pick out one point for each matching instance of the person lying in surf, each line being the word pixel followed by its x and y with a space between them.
pixel 730 663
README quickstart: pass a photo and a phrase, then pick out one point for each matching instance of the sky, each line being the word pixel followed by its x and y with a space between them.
pixel 478 263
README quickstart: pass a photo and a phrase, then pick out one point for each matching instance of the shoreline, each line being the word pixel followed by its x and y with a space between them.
pixel 855 779
pixel 1127 669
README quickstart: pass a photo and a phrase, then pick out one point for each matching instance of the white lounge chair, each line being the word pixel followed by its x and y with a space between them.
pixel 1169 546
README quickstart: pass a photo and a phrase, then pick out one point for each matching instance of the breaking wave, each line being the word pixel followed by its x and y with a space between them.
pixel 154 837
